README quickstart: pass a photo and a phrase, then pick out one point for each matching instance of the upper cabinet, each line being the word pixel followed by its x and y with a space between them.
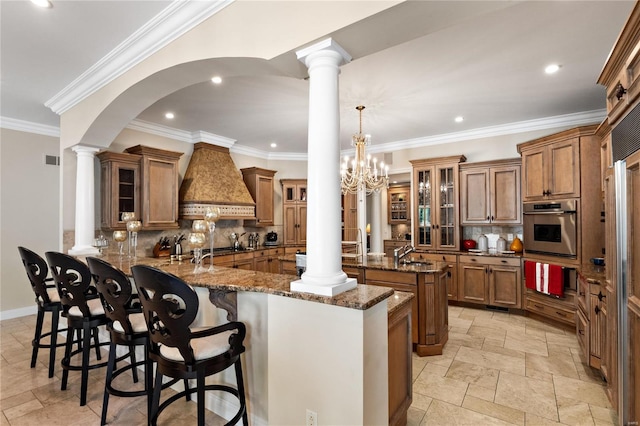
pixel 550 169
pixel 399 204
pixel 260 185
pixel 294 211
pixel 143 180
pixel 436 221
pixel 119 188
pixel 490 193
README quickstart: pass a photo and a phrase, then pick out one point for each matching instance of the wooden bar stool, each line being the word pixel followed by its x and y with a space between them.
pixel 84 312
pixel 48 300
pixel 169 307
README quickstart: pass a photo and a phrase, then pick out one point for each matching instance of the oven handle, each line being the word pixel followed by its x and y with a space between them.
pixel 556 213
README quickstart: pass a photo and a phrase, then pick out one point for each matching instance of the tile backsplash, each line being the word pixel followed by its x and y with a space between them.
pixel 473 232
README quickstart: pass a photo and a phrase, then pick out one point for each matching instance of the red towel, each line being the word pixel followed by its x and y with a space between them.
pixel 544 278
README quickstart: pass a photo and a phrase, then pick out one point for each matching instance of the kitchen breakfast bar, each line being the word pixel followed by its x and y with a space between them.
pixel 347 358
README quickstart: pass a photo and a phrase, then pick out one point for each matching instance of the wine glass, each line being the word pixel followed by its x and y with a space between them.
pixel 211 216
pixel 196 241
pixel 133 226
pixel 120 237
pixel 199 226
pixel 127 216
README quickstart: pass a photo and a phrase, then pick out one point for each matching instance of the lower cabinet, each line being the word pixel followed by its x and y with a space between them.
pixel 451 277
pixel 591 323
pixel 288 267
pixel 266 260
pixel 400 364
pixel 494 281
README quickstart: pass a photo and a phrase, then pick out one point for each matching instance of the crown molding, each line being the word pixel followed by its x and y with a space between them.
pixel 29 127
pixel 567 120
pixel 174 21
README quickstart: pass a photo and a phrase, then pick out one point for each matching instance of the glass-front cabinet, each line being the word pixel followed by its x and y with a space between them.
pixel 437 211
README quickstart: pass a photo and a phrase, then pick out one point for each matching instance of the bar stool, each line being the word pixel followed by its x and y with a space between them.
pixel 83 310
pixel 169 307
pixel 126 327
pixel 48 300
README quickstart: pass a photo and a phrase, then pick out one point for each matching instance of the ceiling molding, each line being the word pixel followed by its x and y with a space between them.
pixel 29 127
pixel 174 21
pixel 567 120
pixel 160 130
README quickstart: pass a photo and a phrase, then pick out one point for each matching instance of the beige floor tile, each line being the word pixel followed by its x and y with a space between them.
pixel 499 325
pixel 465 340
pixel 604 416
pixel 22 409
pixel 529 395
pixel 473 374
pixel 528 344
pixel 500 349
pixel 593 394
pixel 508 414
pixel 539 375
pixel 481 392
pixel 570 341
pixel 511 319
pixel 487 332
pixel 3 420
pixel 67 412
pixel 421 402
pixel 441 413
pixel 16 400
pixel 441 388
pixel 573 412
pixel 460 323
pixel 533 420
pixel 454 311
pixel 434 370
pixel 414 416
pixel 491 360
pixel 555 364
pixel 51 394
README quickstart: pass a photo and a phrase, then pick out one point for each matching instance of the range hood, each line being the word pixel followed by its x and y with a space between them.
pixel 212 179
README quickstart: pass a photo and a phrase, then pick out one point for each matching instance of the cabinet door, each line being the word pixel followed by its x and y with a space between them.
pixel 506 203
pixel 160 193
pixel 302 225
pixel 595 331
pixel 474 196
pixel 448 210
pixel 533 174
pixel 472 283
pixel 398 205
pixel 424 223
pixel 505 288
pixel 290 223
pixel 582 332
pixel 564 169
pixel 264 201
pixel 261 264
pixel 350 217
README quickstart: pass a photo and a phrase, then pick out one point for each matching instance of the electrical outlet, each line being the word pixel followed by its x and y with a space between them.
pixel 312 418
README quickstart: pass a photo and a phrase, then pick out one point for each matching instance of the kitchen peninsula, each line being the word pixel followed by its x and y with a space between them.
pixel 286 329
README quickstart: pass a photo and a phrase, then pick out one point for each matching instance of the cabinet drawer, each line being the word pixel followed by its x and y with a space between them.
pixel 390 276
pixel 558 313
pixel 490 260
pixel 436 257
pixel 243 256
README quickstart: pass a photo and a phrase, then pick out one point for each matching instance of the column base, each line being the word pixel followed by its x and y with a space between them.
pixel 83 251
pixel 324 290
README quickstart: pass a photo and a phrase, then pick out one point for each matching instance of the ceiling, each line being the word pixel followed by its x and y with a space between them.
pixel 416 66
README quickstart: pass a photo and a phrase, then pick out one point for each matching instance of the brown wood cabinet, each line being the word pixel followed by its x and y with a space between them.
pixel 400 364
pixel 399 204
pixel 436 215
pixel 260 185
pixel 550 170
pixel 494 281
pixel 159 187
pixel 490 193
pixel 266 260
pixel 350 230
pixel 119 188
pixel 451 276
pixel 429 318
pixel 562 311
pixel 294 210
pixel 609 362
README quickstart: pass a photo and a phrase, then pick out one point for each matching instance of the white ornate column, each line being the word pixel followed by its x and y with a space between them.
pixel 361 215
pixel 376 223
pixel 85 201
pixel 324 274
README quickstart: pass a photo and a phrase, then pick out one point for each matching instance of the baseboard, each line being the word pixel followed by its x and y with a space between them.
pixel 17 313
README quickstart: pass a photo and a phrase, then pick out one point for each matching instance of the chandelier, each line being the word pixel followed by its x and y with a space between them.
pixel 358 174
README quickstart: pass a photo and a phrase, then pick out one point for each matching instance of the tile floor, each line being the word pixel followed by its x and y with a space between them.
pixel 497 368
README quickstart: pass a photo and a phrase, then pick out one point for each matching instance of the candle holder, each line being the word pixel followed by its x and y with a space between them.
pixel 196 241
pixel 120 237
pixel 211 216
pixel 133 226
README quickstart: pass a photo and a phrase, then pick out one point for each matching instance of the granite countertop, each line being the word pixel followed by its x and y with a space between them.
pixel 398 300
pixel 362 297
pixel 592 273
pixel 386 263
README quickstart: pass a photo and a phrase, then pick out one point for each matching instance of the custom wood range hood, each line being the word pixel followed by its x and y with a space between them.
pixel 212 179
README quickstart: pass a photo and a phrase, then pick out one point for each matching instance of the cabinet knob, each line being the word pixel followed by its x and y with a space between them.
pixel 597 310
pixel 620 91
pixel 601 296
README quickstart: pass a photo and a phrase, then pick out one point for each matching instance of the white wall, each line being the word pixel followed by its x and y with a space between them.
pixel 29 212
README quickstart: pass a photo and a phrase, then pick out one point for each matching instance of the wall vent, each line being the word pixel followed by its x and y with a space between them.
pixel 51 160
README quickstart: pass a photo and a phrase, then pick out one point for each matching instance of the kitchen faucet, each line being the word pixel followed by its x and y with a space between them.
pixel 400 252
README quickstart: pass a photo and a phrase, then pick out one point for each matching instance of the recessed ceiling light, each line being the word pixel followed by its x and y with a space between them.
pixel 216 80
pixel 552 68
pixel 273 144
pixel 459 119
pixel 42 3
pixel 169 115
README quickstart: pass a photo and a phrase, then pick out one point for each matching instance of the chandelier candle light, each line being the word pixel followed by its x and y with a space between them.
pixel 211 216
pixel 358 174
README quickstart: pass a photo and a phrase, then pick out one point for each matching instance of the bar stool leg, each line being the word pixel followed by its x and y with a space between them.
pixel 241 397
pixel 86 349
pixel 36 337
pixel 96 342
pixel 200 393
pixel 134 370
pixel 107 383
pixel 55 317
pixel 67 359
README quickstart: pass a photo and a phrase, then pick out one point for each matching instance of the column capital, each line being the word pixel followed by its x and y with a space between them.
pixel 307 54
pixel 84 149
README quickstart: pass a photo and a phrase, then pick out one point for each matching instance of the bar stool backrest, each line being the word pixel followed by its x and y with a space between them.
pixel 73 279
pixel 37 272
pixel 115 292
